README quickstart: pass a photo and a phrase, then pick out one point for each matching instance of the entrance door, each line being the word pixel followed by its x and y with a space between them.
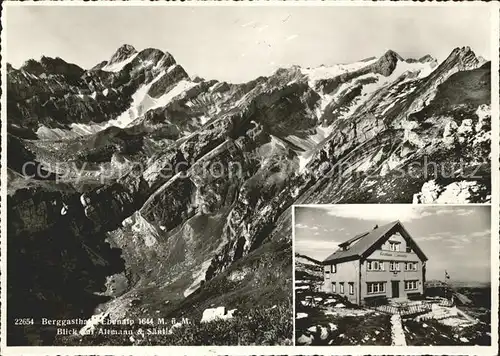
pixel 395 289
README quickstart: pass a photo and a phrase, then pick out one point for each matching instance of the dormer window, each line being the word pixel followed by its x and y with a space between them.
pixel 394 245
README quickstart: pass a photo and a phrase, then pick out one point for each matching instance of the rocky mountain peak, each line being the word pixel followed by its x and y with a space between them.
pixel 386 64
pixel 462 57
pixel 99 65
pixel 32 66
pixel 464 53
pixel 390 54
pixel 424 59
pixel 49 65
pixel 463 50
pixel 122 53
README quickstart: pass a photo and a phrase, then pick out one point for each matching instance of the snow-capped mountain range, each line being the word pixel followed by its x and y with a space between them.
pixel 333 134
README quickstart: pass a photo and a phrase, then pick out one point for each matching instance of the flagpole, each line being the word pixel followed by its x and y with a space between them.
pixel 446 284
pixel 447 277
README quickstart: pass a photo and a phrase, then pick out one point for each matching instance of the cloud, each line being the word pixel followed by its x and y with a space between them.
pixel 455 211
pixel 260 29
pixel 431 237
pixel 442 235
pixel 304 226
pixel 464 238
pixel 481 234
pixel 464 212
pixel 461 240
pixel 315 248
pixel 454 237
pixel 395 211
pixel 292 37
pixel 248 24
pixel 378 212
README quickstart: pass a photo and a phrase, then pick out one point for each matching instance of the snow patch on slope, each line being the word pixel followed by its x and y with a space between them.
pixel 118 66
pixel 275 142
pixel 178 89
pixel 304 159
pixel 311 141
pixel 45 133
pixel 420 70
pixel 328 72
pixel 322 133
pixel 461 192
pixel 142 229
pixel 141 103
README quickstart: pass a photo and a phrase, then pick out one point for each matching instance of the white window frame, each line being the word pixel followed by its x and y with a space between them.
pixel 370 265
pixel 351 288
pixel 375 287
pixel 334 287
pixel 394 266
pixel 411 285
pixel 341 287
pixel 333 268
pixel 413 268
pixel 396 246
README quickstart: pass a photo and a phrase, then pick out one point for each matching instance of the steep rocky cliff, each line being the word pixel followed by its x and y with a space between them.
pixel 180 188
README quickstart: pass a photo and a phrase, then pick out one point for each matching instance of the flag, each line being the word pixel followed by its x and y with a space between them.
pixel 446 275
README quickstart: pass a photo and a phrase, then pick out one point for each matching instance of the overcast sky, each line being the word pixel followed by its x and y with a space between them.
pixel 454 238
pixel 239 43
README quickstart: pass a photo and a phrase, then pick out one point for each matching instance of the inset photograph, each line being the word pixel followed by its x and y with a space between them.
pixel 392 275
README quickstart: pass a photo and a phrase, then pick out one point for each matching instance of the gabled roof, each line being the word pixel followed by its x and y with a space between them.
pixel 355 238
pixel 367 242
